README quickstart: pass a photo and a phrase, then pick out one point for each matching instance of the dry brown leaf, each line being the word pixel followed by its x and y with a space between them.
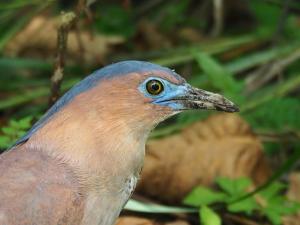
pixel 222 145
pixel 293 195
pixel 38 38
pixel 294 188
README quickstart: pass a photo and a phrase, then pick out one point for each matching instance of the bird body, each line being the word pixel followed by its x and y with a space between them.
pixel 80 163
pixel 34 187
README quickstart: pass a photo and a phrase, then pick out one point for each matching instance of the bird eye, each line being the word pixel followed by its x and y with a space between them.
pixel 154 87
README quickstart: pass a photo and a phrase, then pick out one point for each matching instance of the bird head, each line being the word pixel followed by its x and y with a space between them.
pixel 146 94
pixel 132 94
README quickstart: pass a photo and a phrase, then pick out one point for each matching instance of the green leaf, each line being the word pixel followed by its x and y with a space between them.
pixel 204 196
pixel 8 131
pixel 275 211
pixel 272 190
pixel 273 216
pixel 209 217
pixel 4 142
pixel 247 205
pixel 13 123
pixel 234 187
pixel 25 123
pixel 14 130
pixel 276 204
pixel 290 207
pixel 281 205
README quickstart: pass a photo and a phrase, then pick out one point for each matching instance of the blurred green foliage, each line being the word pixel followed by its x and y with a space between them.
pixel 114 19
pixel 277 114
pixel 267 16
pixel 273 108
pixel 269 202
pixel 173 15
pixel 14 130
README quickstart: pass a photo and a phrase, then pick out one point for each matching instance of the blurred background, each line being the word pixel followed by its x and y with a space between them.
pixel 228 168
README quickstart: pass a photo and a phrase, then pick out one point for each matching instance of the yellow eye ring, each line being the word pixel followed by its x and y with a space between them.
pixel 154 87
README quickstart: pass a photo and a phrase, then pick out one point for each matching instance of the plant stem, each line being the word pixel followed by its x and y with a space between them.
pixel 67 20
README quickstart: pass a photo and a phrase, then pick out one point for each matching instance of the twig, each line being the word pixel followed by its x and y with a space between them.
pixel 84 6
pixel 67 20
pixel 269 71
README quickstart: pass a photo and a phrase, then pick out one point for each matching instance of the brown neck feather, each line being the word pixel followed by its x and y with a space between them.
pixel 99 134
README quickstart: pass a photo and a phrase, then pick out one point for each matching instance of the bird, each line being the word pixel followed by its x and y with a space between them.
pixel 79 164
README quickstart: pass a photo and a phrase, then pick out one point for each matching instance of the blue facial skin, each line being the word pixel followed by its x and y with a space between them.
pixel 166 97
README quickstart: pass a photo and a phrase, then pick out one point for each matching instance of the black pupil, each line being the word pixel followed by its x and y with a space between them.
pixel 155 86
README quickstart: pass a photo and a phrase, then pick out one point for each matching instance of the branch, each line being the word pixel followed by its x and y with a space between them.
pixel 67 20
pixel 267 72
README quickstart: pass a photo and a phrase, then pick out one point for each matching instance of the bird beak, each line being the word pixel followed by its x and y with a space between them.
pixel 195 98
pixel 187 97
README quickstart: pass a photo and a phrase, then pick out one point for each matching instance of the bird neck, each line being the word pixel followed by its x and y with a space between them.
pixel 97 145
